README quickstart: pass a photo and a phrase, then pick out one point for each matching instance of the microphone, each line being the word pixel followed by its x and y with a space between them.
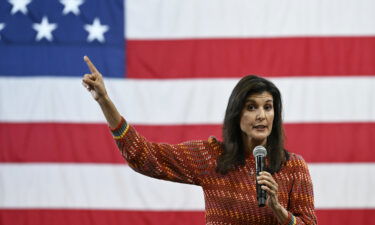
pixel 260 153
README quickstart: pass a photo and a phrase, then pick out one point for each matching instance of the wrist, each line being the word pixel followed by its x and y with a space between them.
pixel 103 99
pixel 277 207
pixel 280 212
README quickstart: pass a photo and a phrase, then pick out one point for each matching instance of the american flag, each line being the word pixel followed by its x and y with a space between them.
pixel 170 66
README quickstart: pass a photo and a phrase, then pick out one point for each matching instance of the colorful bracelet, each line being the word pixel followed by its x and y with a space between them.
pixel 291 220
pixel 120 131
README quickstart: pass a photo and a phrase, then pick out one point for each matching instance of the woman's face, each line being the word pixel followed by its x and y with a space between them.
pixel 257 118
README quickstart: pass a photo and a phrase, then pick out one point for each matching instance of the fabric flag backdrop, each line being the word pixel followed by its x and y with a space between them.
pixel 170 66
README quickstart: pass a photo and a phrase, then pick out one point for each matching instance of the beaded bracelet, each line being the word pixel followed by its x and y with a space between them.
pixel 120 131
pixel 291 220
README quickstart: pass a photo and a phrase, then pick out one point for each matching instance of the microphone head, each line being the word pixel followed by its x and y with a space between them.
pixel 259 151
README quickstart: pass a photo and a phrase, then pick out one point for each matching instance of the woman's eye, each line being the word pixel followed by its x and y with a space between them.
pixel 251 107
pixel 268 107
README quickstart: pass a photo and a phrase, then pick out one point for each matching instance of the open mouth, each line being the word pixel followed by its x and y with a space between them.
pixel 260 127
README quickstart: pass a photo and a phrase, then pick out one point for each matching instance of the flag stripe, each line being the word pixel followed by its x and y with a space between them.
pixel 242 18
pixel 25 186
pixel 346 216
pixel 135 217
pixel 197 58
pixel 36 142
pixel 190 101
pixel 99 217
pixel 91 186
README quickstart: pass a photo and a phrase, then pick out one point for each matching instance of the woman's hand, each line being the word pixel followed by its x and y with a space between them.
pixel 94 81
pixel 271 187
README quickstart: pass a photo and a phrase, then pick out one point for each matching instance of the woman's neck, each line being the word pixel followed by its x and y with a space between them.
pixel 250 144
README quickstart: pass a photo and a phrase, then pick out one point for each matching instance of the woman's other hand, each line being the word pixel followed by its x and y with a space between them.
pixel 93 82
pixel 271 187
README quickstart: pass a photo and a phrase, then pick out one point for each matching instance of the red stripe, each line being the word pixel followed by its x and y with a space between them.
pixel 199 58
pixel 345 216
pixel 332 142
pixel 57 142
pixel 99 217
pixel 115 217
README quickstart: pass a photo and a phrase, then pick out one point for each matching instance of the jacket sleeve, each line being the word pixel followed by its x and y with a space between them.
pixel 301 208
pixel 184 163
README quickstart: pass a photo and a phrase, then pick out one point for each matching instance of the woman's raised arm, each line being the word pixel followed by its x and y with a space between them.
pixel 95 85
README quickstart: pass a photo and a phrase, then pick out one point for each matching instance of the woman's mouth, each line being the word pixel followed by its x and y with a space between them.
pixel 260 127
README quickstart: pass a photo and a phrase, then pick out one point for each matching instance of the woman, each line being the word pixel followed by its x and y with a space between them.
pixel 225 170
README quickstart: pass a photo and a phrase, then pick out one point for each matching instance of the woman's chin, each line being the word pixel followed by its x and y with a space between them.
pixel 261 139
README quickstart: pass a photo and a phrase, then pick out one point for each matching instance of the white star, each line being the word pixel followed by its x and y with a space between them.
pixel 96 31
pixel 71 6
pixel 19 5
pixel 2 25
pixel 44 29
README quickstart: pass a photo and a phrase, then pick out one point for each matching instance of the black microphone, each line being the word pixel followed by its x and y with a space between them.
pixel 260 153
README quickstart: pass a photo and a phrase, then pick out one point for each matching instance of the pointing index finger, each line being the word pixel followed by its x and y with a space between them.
pixel 90 65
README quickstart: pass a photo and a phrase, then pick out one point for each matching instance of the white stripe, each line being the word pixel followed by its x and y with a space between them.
pixel 118 187
pixel 91 186
pixel 343 185
pixel 190 101
pixel 158 19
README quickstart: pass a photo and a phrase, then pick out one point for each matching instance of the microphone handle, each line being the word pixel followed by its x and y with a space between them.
pixel 261 194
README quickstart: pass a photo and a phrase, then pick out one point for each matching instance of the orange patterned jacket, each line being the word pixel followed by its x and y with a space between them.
pixel 230 198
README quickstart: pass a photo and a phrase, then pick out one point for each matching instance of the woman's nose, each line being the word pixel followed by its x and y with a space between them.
pixel 261 114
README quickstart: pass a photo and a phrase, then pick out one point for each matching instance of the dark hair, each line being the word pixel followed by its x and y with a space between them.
pixel 234 153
